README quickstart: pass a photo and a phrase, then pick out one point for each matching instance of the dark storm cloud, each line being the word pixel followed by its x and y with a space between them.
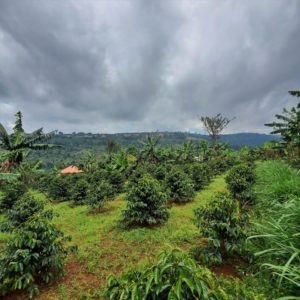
pixel 145 65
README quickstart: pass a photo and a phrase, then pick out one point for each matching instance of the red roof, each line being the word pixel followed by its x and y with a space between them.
pixel 71 170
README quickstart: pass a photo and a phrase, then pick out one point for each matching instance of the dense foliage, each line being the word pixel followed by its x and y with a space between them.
pixel 34 254
pixel 146 203
pixel 11 192
pixel 59 188
pixel 223 224
pixel 288 126
pixel 79 192
pixel 201 175
pixel 240 180
pixel 175 276
pixel 22 210
pixel 181 187
pixel 99 194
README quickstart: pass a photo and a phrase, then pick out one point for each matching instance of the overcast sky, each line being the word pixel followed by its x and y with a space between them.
pixel 119 66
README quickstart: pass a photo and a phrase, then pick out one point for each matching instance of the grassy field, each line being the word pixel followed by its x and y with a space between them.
pixel 105 248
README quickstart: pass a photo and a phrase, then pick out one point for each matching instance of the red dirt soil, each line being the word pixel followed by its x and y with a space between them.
pixel 225 270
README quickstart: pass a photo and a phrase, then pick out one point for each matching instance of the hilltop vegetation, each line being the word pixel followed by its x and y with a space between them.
pixel 74 145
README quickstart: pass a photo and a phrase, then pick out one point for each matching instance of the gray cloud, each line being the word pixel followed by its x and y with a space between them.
pixel 115 66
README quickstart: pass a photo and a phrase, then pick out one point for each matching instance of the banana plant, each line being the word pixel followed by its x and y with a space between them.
pixel 16 143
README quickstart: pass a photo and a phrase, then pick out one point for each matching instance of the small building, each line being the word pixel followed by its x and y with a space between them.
pixel 71 170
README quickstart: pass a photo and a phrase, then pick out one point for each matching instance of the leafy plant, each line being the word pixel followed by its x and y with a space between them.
pixel 149 149
pixel 12 191
pixel 18 141
pixel 175 276
pixel 136 174
pixel 288 126
pixel 223 224
pixel 187 152
pixel 116 179
pixel 79 192
pixel 35 253
pixel 159 171
pixel 146 203
pixel 200 174
pixel 240 180
pixel 59 188
pixel 181 187
pixel 99 194
pixel 21 211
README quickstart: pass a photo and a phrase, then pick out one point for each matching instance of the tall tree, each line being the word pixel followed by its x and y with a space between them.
pixel 215 125
pixel 288 125
pixel 16 143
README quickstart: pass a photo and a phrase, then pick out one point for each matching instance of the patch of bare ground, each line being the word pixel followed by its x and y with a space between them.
pixel 229 267
pixel 225 270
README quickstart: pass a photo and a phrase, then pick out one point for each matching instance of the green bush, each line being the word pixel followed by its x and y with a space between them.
pixel 116 179
pixel 159 171
pixel 240 180
pixel 175 276
pixel 12 191
pixel 180 186
pixel 79 192
pixel 146 203
pixel 201 175
pixel 99 194
pixel 34 254
pixel 43 182
pixel 135 176
pixel 221 165
pixel 97 176
pixel 22 210
pixel 59 188
pixel 223 224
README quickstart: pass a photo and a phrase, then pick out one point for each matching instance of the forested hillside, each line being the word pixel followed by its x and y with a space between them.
pixel 74 144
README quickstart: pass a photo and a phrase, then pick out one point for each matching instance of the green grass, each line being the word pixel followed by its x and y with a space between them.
pixel 276 237
pixel 276 182
pixel 104 248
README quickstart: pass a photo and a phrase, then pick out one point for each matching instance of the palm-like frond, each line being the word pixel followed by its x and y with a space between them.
pixel 29 140
pixel 19 141
pixel 4 138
